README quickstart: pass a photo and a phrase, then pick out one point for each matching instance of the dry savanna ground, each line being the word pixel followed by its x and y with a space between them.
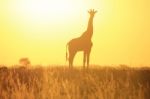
pixel 77 83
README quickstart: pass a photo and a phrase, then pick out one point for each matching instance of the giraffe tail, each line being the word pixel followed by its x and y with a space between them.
pixel 67 52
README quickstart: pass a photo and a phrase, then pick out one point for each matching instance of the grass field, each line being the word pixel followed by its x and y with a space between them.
pixel 77 83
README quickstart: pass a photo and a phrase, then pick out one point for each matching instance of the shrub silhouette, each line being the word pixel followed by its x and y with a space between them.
pixel 24 61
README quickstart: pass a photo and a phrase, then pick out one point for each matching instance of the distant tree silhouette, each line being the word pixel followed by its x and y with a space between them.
pixel 24 61
pixel 82 43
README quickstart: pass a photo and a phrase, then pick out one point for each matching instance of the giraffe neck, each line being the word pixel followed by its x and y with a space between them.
pixel 89 32
pixel 90 26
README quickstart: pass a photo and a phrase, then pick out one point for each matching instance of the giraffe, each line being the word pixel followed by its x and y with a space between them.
pixel 82 43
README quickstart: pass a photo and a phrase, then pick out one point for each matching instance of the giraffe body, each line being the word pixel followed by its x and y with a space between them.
pixel 82 43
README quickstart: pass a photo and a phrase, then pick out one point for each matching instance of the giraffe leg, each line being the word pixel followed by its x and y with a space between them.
pixel 88 54
pixel 71 58
pixel 84 59
pixel 88 59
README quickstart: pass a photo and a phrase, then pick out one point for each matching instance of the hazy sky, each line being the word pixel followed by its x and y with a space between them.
pixel 40 30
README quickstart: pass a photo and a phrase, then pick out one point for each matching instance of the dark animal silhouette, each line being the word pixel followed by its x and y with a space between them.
pixel 82 43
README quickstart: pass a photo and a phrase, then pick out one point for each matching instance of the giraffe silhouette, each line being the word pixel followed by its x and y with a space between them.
pixel 82 43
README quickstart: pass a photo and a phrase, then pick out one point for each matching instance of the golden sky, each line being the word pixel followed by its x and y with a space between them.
pixel 40 30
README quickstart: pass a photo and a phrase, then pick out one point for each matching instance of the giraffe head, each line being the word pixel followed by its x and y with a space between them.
pixel 92 12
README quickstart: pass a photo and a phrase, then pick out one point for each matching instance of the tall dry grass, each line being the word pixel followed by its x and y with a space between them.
pixel 65 83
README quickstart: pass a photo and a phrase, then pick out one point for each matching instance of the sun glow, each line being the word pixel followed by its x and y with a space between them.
pixel 47 8
pixel 40 18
